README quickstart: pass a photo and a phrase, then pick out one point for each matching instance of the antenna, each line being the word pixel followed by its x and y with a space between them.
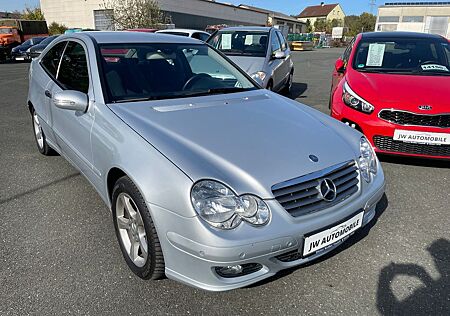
pixel 372 4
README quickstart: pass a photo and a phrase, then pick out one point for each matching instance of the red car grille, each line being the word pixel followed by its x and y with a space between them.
pixel 408 118
pixel 389 144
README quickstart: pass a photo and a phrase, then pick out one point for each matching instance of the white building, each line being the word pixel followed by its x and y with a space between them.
pixel 424 17
pixel 195 14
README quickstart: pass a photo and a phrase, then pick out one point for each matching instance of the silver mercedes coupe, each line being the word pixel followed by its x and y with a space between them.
pixel 211 180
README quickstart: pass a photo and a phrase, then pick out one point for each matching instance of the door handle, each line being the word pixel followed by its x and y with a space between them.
pixel 48 94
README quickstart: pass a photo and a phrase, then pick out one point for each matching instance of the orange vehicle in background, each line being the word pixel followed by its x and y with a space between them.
pixel 14 32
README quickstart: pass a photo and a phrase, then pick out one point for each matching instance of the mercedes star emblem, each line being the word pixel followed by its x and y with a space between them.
pixel 327 190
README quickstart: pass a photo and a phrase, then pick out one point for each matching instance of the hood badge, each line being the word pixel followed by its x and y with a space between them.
pixel 327 190
pixel 313 158
pixel 425 107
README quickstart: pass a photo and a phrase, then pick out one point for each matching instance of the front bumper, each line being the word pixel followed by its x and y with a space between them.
pixel 192 249
pixel 19 56
pixel 380 133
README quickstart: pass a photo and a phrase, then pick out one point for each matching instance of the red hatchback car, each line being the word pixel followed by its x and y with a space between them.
pixel 395 88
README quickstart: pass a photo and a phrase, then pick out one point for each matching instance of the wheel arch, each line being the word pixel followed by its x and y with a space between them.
pixel 114 174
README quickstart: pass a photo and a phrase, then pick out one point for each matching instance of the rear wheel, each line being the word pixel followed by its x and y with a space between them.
pixel 39 136
pixel 136 231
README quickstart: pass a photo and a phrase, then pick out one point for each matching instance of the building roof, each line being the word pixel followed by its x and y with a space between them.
pixel 275 14
pixel 317 10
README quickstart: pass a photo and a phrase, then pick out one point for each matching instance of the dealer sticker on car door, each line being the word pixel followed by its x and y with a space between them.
pixel 332 235
pixel 422 137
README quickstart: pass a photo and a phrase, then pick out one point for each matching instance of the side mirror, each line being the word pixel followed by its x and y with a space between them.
pixel 71 100
pixel 340 65
pixel 279 55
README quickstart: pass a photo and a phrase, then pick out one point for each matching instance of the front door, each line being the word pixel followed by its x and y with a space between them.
pixel 72 128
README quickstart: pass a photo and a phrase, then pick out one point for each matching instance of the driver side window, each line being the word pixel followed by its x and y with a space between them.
pixel 51 60
pixel 73 72
pixel 348 52
pixel 275 43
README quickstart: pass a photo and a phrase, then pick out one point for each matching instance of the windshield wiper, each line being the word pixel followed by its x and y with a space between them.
pixel 228 90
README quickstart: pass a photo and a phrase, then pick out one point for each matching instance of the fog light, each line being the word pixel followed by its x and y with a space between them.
pixel 238 270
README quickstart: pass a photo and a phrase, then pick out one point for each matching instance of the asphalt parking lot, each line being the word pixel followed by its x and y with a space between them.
pixel 59 254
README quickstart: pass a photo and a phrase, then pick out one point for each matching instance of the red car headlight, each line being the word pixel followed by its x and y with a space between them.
pixel 354 101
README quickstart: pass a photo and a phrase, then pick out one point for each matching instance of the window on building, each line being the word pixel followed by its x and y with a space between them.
pixel 387 27
pixel 51 60
pixel 103 20
pixel 412 19
pixel 388 19
pixel 73 72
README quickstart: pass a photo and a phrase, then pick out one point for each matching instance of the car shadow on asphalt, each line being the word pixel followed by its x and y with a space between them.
pixel 353 239
pixel 431 297
pixel 413 161
pixel 297 90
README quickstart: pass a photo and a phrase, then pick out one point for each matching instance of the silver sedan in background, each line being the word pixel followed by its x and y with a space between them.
pixel 211 180
pixel 262 52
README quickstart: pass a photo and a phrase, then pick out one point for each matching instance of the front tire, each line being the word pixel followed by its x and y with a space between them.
pixel 39 136
pixel 136 231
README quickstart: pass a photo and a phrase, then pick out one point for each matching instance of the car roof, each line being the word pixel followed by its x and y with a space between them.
pixel 108 37
pixel 400 35
pixel 181 30
pixel 247 28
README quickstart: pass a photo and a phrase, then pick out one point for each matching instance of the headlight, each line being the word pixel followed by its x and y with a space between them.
pixel 221 208
pixel 259 76
pixel 354 101
pixel 368 163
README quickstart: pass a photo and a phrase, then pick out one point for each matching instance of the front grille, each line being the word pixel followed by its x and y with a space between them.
pixel 301 195
pixel 389 144
pixel 407 118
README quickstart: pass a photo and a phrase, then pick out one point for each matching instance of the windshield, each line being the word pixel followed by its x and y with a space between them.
pixel 5 31
pixel 153 71
pixel 241 43
pixel 403 56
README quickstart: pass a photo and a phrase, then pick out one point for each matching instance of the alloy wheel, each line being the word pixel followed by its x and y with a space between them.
pixel 38 131
pixel 131 229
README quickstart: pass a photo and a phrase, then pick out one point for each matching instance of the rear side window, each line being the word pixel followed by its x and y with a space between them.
pixel 73 73
pixel 50 62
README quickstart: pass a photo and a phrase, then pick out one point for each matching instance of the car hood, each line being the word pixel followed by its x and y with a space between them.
pixel 249 141
pixel 403 92
pixel 249 64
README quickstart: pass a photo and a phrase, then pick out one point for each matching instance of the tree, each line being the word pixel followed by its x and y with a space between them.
pixel 357 24
pixel 55 28
pixel 309 27
pixel 32 14
pixel 131 14
pixel 368 22
pixel 320 25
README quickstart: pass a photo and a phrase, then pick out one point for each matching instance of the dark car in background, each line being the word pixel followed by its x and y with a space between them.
pixel 36 50
pixel 20 52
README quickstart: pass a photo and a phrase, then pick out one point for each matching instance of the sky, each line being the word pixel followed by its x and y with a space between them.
pixel 290 7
